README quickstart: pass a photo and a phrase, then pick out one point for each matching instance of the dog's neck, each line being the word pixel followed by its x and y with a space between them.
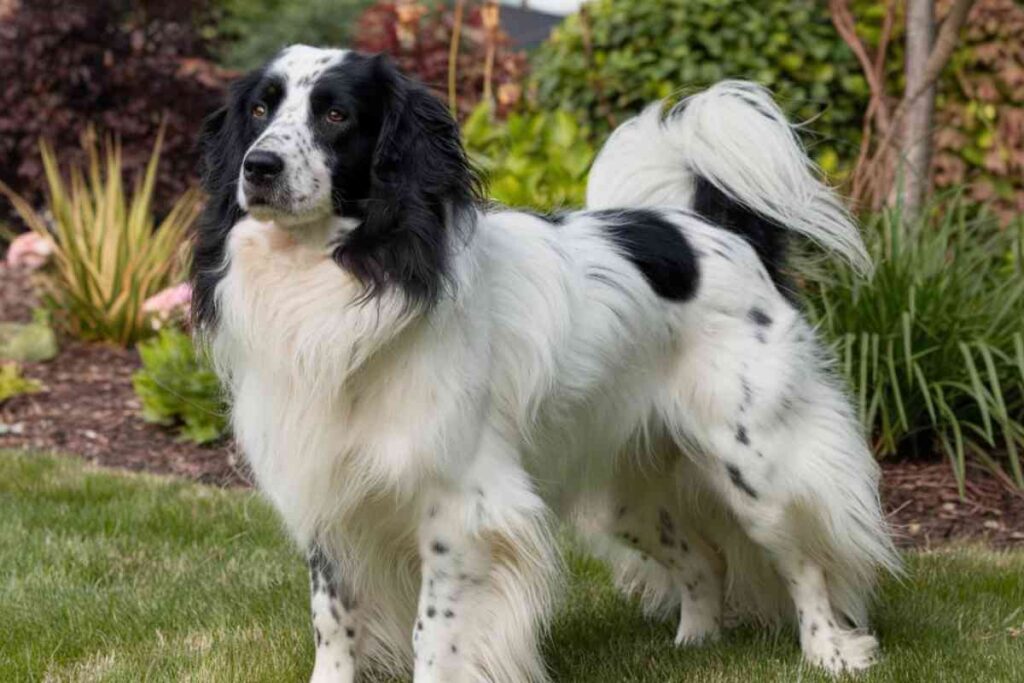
pixel 322 233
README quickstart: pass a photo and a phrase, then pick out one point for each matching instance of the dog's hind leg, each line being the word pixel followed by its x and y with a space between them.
pixel 647 520
pixel 781 448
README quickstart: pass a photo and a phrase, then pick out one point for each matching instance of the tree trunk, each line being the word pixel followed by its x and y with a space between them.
pixel 915 150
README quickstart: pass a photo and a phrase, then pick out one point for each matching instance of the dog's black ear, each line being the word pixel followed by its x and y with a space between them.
pixel 422 192
pixel 222 143
pixel 211 146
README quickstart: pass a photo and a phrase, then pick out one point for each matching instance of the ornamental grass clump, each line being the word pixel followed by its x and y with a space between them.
pixel 108 254
pixel 932 343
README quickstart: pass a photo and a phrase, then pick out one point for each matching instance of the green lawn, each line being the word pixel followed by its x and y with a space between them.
pixel 118 577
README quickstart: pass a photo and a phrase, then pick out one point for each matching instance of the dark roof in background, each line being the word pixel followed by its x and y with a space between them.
pixel 526 27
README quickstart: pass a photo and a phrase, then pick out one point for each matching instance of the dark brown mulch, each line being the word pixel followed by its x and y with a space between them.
pixel 923 504
pixel 89 409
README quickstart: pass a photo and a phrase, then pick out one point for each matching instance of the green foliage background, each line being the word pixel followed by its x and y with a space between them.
pixel 534 160
pixel 932 342
pixel 248 32
pixel 636 52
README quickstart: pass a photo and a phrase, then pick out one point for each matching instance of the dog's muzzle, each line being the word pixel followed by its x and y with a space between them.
pixel 262 171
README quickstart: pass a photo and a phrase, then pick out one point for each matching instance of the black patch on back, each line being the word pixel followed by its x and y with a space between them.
pixel 657 248
pixel 767 237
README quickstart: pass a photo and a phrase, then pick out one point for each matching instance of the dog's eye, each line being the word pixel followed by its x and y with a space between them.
pixel 259 111
pixel 335 115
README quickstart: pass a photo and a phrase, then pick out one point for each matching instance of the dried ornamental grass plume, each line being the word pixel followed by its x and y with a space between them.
pixel 30 251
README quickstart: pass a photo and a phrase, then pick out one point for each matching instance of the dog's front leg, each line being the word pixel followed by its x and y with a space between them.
pixel 336 629
pixel 488 569
pixel 455 568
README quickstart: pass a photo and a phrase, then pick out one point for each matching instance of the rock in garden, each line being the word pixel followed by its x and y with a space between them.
pixel 27 342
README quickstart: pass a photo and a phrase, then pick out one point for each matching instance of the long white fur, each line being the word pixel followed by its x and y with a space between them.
pixel 734 135
pixel 534 392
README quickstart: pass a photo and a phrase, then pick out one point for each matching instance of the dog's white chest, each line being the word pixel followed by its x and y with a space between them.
pixel 328 403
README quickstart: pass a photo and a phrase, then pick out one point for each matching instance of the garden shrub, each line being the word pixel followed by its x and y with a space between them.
pixel 418 38
pixel 605 64
pixel 69 64
pixel 533 159
pixel 932 342
pixel 248 32
pixel 108 255
pixel 177 386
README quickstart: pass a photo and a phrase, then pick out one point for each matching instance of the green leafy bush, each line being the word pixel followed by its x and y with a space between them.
pixel 607 64
pixel 933 342
pixel 532 159
pixel 251 31
pixel 176 385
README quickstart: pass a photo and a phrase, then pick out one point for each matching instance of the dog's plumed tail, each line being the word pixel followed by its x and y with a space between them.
pixel 730 154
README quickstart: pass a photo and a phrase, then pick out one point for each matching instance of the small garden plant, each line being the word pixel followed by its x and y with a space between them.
pixel 12 383
pixel 177 386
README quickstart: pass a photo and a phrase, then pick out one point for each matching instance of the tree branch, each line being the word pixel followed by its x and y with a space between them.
pixel 942 51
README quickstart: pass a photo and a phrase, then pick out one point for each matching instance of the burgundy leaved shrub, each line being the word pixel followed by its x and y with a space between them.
pixel 121 66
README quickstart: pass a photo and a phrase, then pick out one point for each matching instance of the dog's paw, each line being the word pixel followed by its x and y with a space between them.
pixel 842 651
pixel 698 629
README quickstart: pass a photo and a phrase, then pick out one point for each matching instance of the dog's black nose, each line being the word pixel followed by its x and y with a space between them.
pixel 261 166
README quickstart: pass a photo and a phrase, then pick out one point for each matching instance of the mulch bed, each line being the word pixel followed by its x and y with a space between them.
pixel 88 408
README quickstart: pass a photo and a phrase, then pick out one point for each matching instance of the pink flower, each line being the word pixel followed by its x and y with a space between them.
pixel 169 302
pixel 29 250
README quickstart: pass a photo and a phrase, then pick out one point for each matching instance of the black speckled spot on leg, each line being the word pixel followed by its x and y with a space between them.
pixel 739 482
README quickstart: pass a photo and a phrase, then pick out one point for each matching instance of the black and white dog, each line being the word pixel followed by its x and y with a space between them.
pixel 423 384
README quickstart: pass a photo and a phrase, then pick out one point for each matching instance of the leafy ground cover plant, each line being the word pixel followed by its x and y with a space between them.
pixel 535 160
pixel 12 383
pixel 108 258
pixel 932 342
pixel 176 385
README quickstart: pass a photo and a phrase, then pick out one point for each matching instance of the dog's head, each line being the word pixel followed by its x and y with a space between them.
pixel 318 133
